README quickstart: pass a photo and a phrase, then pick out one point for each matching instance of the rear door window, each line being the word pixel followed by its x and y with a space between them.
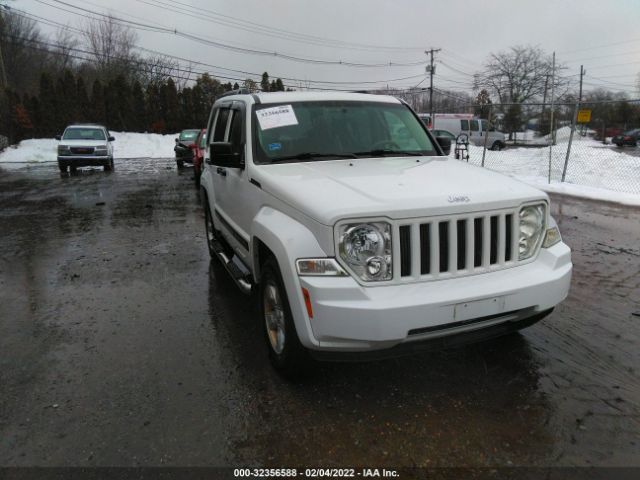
pixel 474 125
pixel 464 125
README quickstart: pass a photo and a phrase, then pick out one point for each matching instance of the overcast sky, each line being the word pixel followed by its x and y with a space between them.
pixel 603 35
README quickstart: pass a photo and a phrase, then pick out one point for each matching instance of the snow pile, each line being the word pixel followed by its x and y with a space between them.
pixel 594 170
pixel 126 145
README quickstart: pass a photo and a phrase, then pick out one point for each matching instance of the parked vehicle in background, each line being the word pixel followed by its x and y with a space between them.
pixel 85 145
pixel 198 155
pixel 609 132
pixel 444 133
pixel 627 139
pixel 362 237
pixel 185 146
pixel 475 128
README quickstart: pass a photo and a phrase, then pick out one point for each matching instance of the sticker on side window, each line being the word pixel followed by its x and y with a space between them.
pixel 274 117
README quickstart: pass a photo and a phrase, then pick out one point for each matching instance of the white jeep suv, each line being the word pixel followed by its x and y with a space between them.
pixel 361 237
pixel 85 145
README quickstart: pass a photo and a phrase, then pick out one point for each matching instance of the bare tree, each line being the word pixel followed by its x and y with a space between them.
pixel 520 74
pixel 62 57
pixel 111 44
pixel 23 51
pixel 158 69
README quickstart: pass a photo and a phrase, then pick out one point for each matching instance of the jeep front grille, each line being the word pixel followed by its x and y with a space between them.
pixel 443 247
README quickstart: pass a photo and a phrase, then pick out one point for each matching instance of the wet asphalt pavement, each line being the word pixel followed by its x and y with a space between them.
pixel 121 345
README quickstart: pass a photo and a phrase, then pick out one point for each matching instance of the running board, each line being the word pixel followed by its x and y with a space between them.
pixel 243 281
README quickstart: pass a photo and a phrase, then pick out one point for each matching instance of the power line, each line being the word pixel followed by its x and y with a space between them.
pixel 254 74
pixel 253 27
pixel 214 43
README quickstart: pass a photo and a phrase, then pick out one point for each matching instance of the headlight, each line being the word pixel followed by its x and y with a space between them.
pixel 532 222
pixel 63 148
pixel 366 249
pixel 551 237
pixel 101 150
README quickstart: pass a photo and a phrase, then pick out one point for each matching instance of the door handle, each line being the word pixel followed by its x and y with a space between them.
pixel 221 171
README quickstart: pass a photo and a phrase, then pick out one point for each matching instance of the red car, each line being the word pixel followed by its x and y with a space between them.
pixel 199 148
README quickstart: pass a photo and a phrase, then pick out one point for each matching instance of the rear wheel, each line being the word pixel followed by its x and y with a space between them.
pixel 497 146
pixel 286 353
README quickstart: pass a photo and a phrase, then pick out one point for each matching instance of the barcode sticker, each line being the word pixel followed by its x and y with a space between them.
pixel 274 117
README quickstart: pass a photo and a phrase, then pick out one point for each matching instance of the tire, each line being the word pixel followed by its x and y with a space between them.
pixel 288 356
pixel 497 146
pixel 73 169
pixel 109 165
pixel 62 167
pixel 180 164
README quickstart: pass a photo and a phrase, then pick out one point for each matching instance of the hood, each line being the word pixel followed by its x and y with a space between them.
pixel 83 143
pixel 396 188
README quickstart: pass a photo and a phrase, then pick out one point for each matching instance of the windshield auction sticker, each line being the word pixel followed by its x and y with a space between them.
pixel 274 117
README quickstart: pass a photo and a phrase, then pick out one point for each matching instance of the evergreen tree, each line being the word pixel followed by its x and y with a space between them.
pixel 83 105
pixel 236 86
pixel 98 108
pixel 273 87
pixel 279 85
pixel 154 110
pixel 48 123
pixel 170 106
pixel 264 84
pixel 139 114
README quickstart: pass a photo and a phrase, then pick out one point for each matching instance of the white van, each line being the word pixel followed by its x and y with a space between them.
pixel 475 128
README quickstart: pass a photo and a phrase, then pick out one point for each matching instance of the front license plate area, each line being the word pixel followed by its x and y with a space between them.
pixel 478 308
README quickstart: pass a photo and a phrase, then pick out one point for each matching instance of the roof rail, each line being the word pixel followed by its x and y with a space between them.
pixel 239 91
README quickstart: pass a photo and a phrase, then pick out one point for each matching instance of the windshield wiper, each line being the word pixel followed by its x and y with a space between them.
pixel 383 152
pixel 311 156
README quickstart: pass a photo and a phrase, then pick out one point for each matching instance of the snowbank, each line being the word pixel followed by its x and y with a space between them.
pixel 127 145
pixel 594 170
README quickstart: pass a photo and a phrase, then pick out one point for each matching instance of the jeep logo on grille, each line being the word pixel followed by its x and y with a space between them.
pixel 458 199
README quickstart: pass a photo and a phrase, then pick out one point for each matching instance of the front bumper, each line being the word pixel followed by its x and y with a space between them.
pixel 348 317
pixel 83 160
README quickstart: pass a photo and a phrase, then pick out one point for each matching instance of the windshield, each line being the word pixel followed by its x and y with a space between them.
pixel 337 129
pixel 189 135
pixel 83 134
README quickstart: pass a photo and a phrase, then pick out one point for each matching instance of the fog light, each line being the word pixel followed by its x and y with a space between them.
pixel 375 265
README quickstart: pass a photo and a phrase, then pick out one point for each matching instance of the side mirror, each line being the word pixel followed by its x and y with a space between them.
pixel 177 140
pixel 223 154
pixel 112 139
pixel 58 137
pixel 445 144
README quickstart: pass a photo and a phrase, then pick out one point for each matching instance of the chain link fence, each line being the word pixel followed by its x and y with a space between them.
pixel 602 152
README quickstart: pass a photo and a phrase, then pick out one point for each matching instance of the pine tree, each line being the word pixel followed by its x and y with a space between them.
pixel 279 85
pixel 264 84
pixel 83 105
pixel 48 123
pixel 170 106
pixel 139 106
pixel 236 86
pixel 98 109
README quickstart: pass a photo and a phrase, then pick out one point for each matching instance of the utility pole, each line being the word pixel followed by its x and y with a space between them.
pixel 573 124
pixel 431 69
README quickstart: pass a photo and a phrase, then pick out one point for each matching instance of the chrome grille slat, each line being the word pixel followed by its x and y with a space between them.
pixel 455 245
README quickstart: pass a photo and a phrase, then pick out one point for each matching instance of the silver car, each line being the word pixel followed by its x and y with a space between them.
pixel 85 145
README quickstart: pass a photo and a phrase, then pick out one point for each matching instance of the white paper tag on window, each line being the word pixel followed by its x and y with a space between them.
pixel 280 116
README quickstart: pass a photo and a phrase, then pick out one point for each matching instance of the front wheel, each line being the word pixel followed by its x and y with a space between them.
pixel 180 164
pixel 286 353
pixel 497 146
